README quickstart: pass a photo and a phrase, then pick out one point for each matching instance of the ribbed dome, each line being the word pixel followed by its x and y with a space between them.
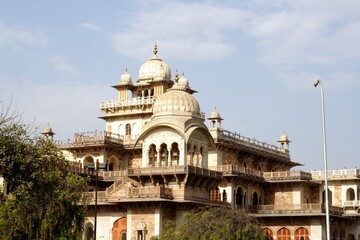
pixel 176 100
pixel 154 68
pixel 126 78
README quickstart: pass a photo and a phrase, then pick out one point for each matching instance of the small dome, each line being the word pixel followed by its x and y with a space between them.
pixel 48 131
pixel 215 114
pixel 183 81
pixel 154 68
pixel 284 139
pixel 126 78
pixel 176 100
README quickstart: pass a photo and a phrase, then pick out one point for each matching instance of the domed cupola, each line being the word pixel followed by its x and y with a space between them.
pixel 125 78
pixel 155 69
pixel 177 101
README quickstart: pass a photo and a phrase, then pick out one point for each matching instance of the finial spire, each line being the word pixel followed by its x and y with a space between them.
pixel 155 48
pixel 126 70
pixel 176 75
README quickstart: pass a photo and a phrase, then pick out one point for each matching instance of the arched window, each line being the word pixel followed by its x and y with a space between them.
pixel 350 194
pixel 152 155
pixel 255 199
pixel 128 129
pixel 268 233
pixel 163 154
pixel 174 154
pixel 351 237
pixel 121 130
pixel 283 234
pixel 135 130
pixel 301 234
pixel 215 194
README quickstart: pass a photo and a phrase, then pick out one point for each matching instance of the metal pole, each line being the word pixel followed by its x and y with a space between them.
pixel 96 193
pixel 325 159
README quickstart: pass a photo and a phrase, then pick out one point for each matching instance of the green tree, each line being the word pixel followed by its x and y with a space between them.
pixel 214 223
pixel 45 201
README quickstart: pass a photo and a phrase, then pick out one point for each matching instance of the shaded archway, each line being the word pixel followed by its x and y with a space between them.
pixel 268 233
pixel 350 194
pixel 329 195
pixel 88 231
pixel 255 199
pixel 119 229
pixel 283 234
pixel 301 234
pixel 239 196
pixel 89 162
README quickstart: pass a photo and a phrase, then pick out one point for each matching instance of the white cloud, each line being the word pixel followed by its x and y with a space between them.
pixel 14 37
pixel 189 30
pixel 90 26
pixel 61 64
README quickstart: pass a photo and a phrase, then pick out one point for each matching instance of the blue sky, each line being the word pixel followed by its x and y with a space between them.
pixel 255 61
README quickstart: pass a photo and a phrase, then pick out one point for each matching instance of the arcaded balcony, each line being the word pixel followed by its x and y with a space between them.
pixel 286 175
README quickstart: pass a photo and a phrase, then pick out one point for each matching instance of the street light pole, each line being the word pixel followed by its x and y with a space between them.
pixel 317 82
pixel 96 193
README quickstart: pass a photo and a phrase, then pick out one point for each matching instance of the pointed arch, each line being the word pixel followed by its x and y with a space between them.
pixel 268 233
pixel 283 234
pixel 350 194
pixel 88 231
pixel 119 229
pixel 301 234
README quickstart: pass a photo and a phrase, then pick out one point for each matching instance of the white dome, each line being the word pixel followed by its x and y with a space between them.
pixel 176 100
pixel 154 68
pixel 126 78
pixel 183 81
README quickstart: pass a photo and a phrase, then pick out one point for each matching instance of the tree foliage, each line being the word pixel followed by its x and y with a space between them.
pixel 213 223
pixel 45 201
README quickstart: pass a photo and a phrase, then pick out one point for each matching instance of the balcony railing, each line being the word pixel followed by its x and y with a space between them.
pixel 174 170
pixel 91 138
pixel 340 174
pixel 228 136
pixel 130 102
pixel 287 175
pixel 352 203
pixel 297 208
pixel 132 193
pixel 234 169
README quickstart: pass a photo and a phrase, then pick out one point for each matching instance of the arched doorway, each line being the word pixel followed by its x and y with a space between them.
pixel 255 199
pixel 89 162
pixel 239 197
pixel 301 234
pixel 119 229
pixel 283 234
pixel 89 231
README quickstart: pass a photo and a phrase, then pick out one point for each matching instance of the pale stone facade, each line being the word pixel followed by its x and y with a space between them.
pixel 157 158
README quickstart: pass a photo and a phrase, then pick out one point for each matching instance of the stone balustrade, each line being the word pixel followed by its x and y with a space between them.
pixel 337 174
pixel 286 175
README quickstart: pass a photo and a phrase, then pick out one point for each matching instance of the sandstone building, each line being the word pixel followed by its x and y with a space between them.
pixel 159 156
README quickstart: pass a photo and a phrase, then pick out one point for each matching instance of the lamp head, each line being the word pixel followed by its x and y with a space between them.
pixel 317 82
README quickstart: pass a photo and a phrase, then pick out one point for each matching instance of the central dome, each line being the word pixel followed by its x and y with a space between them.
pixel 176 100
pixel 154 69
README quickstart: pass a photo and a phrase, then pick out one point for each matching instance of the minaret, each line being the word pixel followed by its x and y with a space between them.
pixel 215 119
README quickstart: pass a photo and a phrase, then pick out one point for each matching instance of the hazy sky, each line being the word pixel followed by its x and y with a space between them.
pixel 255 61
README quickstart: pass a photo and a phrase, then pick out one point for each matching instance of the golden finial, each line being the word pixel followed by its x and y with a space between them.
pixel 176 76
pixel 155 48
